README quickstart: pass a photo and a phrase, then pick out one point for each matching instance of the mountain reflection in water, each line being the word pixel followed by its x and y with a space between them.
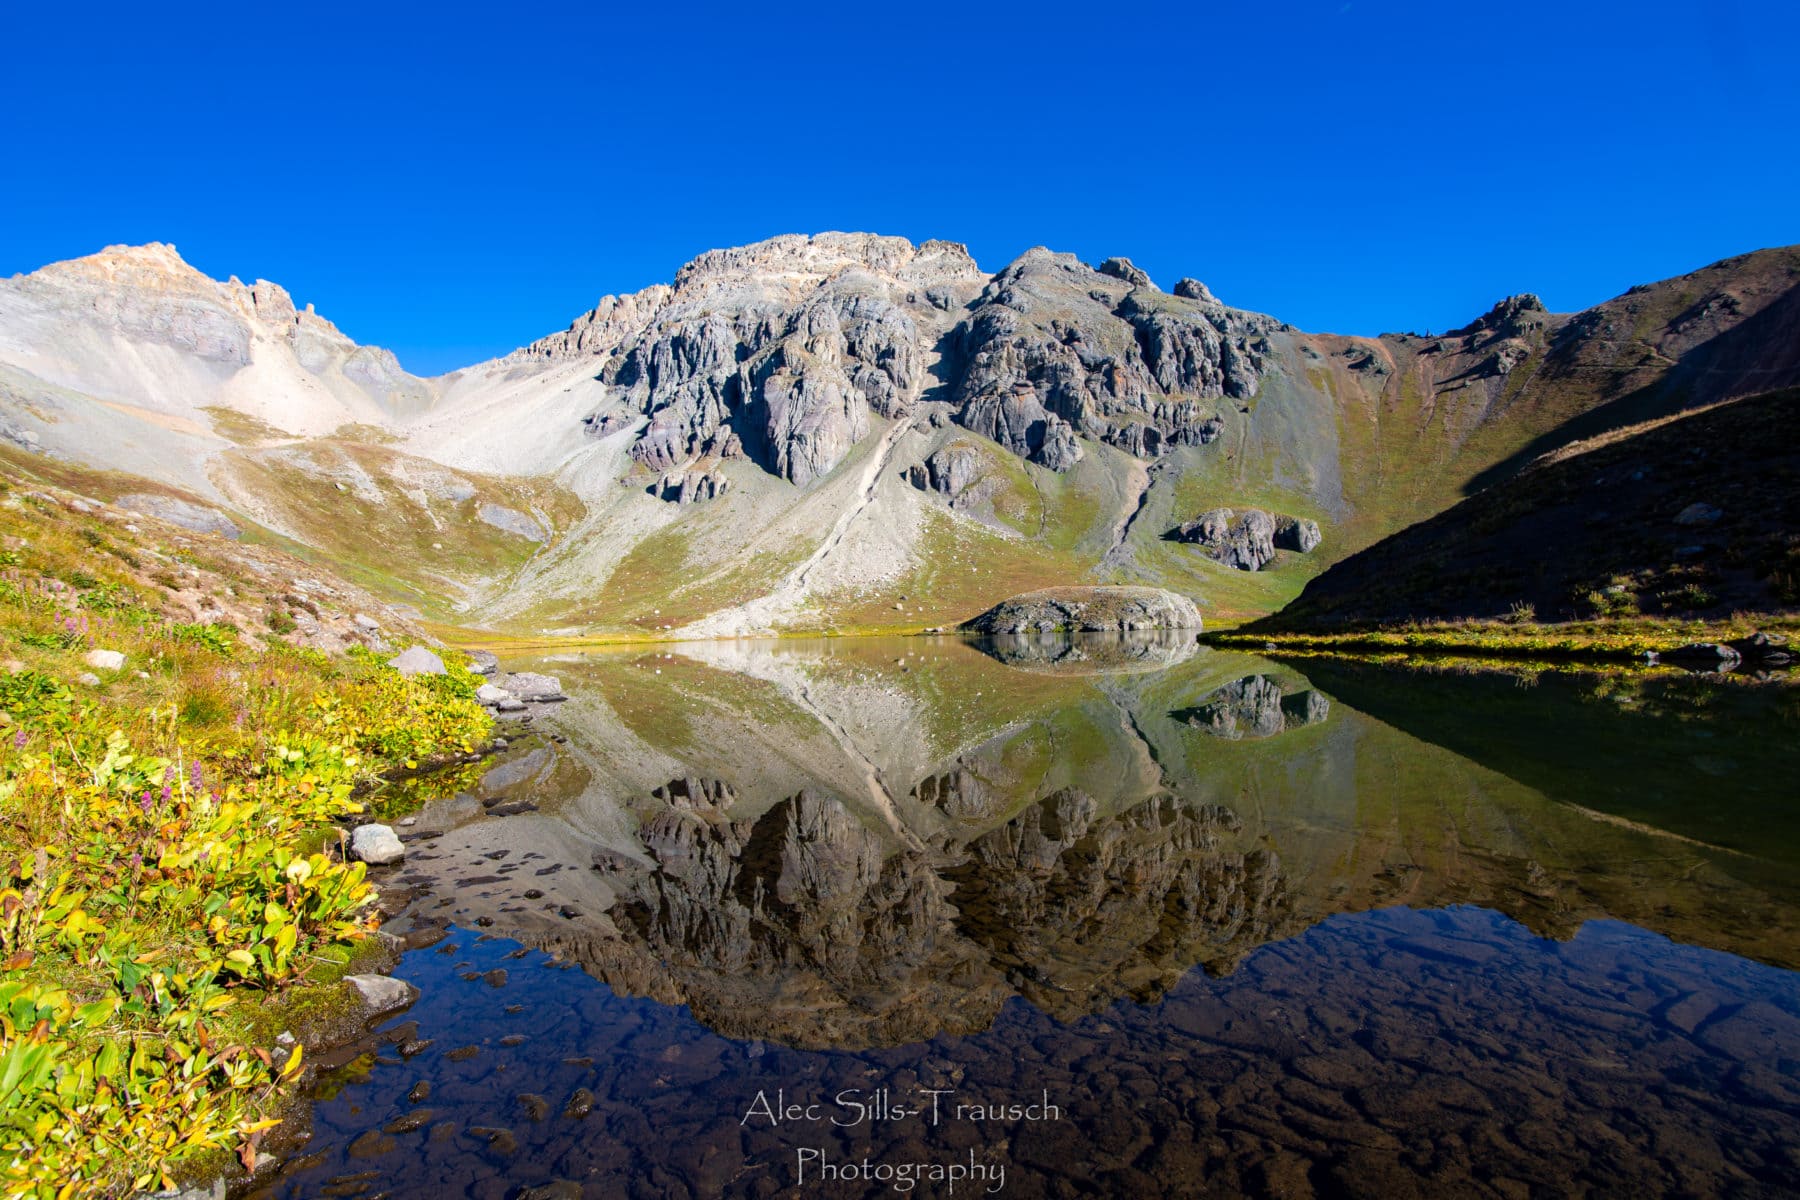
pixel 1221 914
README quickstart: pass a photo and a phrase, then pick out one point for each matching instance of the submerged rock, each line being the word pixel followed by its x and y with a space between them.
pixel 532 687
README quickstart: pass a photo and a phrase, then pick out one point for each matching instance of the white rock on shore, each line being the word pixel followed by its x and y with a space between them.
pixel 376 845
pixel 382 993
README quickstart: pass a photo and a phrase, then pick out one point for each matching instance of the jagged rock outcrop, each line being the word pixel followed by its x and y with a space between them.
pixel 964 475
pixel 1088 610
pixel 1057 346
pixel 1245 540
pixel 690 487
pixel 1248 538
pixel 1254 707
pixel 803 402
pixel 781 349
pixel 1125 269
pixel 950 470
pixel 1297 533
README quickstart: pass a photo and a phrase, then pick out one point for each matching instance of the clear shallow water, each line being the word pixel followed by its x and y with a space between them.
pixel 1241 937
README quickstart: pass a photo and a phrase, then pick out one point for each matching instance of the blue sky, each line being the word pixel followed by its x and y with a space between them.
pixel 454 180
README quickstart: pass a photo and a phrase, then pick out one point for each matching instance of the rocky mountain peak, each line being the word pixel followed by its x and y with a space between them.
pixel 1513 315
pixel 1125 269
pixel 798 259
pixel 155 267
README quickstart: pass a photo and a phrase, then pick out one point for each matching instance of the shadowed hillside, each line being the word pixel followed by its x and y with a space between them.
pixel 1697 515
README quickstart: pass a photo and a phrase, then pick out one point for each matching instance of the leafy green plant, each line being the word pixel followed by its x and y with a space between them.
pixel 160 879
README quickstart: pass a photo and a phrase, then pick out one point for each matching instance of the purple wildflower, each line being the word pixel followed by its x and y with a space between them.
pixel 137 860
pixel 144 803
pixel 166 793
pixel 169 773
pixel 195 775
pixel 19 740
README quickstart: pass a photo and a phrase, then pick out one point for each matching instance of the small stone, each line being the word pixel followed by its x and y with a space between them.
pixel 421 1092
pixel 104 660
pixel 556 1189
pixel 370 1144
pixel 1708 656
pixel 366 623
pixel 376 845
pixel 88 679
pixel 417 660
pixel 463 1054
pixel 409 1122
pixel 488 693
pixel 382 993
pixel 497 1139
pixel 580 1105
pixel 536 1107
pixel 1699 513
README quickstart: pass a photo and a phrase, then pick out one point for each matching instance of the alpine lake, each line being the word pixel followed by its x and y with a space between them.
pixel 1092 916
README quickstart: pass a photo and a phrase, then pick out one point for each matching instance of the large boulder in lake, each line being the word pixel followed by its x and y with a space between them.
pixel 1088 610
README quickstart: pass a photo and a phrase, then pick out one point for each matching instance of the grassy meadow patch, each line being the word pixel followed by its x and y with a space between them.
pixel 167 882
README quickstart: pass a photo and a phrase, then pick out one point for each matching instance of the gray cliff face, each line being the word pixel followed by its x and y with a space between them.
pixel 778 351
pixel 1056 347
pixel 783 350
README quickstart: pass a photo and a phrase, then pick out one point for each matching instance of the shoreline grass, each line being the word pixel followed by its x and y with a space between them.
pixel 1600 641
pixel 167 899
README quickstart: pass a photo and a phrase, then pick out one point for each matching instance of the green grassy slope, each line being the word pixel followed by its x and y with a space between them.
pixel 1594 531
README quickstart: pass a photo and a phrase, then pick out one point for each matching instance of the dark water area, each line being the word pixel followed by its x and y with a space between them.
pixel 1093 919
